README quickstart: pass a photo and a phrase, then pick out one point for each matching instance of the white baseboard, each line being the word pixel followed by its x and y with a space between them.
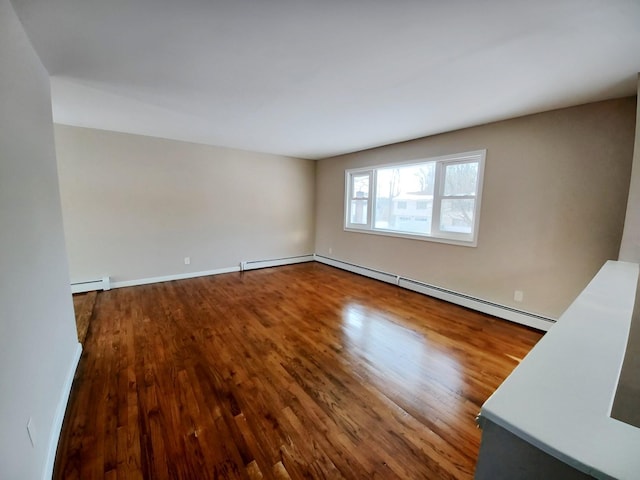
pixel 59 415
pixel 276 262
pixel 243 266
pixel 529 319
pixel 360 270
pixel 501 311
pixel 168 278
pixel 80 287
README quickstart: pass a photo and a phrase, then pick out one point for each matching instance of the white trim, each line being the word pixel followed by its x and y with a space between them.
pixel 497 310
pixel 450 240
pixel 348 178
pixel 253 265
pixel 168 278
pixel 56 428
pixel 522 317
pixel 82 287
pixel 367 272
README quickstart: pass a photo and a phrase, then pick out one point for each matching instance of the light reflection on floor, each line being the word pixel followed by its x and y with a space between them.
pixel 396 355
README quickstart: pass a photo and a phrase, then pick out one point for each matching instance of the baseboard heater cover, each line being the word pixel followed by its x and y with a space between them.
pixel 183 276
pixel 256 264
pixel 501 311
pixel 360 270
pixel 80 287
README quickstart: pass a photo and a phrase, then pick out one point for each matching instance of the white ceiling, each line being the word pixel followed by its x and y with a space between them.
pixel 312 78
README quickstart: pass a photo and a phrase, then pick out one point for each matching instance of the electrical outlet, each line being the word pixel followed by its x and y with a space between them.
pixel 330 250
pixel 518 295
pixel 187 260
pixel 31 431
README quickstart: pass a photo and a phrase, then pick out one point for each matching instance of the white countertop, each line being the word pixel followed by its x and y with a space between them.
pixel 559 398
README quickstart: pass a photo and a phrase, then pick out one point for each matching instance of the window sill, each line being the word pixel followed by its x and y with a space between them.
pixel 458 240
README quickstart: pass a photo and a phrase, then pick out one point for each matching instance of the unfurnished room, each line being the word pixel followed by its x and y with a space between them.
pixel 326 240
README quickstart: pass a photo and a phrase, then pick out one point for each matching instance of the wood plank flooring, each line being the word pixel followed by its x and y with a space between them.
pixel 83 304
pixel 302 371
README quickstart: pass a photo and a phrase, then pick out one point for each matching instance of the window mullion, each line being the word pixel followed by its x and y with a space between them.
pixel 372 197
pixel 438 189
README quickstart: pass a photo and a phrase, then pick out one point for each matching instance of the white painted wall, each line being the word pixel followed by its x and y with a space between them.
pixel 553 207
pixel 630 247
pixel 38 343
pixel 134 207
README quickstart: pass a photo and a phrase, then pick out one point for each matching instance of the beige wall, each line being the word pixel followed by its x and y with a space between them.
pixel 135 206
pixel 38 343
pixel 555 191
pixel 630 248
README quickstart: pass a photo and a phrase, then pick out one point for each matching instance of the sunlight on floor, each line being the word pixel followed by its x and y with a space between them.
pixel 396 353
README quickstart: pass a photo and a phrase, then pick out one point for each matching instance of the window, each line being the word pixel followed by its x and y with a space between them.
pixel 359 202
pixel 434 199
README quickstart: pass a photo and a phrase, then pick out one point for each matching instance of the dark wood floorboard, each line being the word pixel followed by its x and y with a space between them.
pixel 83 304
pixel 304 371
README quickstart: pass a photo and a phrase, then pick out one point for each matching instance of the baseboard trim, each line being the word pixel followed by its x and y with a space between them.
pixel 505 312
pixel 276 262
pixel 81 287
pixel 60 412
pixel 169 278
pixel 522 317
pixel 252 265
pixel 359 269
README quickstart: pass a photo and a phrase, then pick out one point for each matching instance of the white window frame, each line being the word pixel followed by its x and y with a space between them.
pixel 436 235
pixel 350 197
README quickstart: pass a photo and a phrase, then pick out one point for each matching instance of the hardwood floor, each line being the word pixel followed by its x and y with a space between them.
pixel 302 371
pixel 83 304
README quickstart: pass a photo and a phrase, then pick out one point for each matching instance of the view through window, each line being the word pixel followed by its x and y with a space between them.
pixel 433 199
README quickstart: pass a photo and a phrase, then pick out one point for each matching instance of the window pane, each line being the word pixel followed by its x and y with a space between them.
pixel 360 186
pixel 404 198
pixel 359 211
pixel 461 179
pixel 456 215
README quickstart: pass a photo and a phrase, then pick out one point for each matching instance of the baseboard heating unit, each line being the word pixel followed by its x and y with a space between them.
pixel 254 265
pixel 501 311
pixel 80 287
